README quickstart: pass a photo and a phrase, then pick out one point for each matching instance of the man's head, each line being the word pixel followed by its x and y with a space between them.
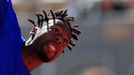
pixel 52 34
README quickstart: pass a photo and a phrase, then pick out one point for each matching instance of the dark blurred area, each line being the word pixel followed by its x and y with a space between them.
pixel 107 37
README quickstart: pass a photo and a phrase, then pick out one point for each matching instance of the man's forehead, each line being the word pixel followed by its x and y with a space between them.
pixel 55 23
pixel 51 22
pixel 48 25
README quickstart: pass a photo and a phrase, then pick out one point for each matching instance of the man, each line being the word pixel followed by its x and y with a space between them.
pixel 49 37
pixel 48 40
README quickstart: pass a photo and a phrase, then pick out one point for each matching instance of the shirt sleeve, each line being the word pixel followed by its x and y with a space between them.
pixel 8 20
pixel 11 62
pixel 3 8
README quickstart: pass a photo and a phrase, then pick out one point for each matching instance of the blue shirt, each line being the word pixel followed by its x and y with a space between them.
pixel 11 62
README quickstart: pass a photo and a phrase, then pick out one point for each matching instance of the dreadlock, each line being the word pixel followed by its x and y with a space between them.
pixel 61 15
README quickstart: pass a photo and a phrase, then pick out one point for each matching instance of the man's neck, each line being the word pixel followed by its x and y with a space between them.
pixel 30 58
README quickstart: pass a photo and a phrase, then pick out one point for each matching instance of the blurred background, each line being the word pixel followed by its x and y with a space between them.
pixel 106 45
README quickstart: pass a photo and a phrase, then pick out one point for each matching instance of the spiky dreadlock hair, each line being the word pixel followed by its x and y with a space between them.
pixel 61 15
